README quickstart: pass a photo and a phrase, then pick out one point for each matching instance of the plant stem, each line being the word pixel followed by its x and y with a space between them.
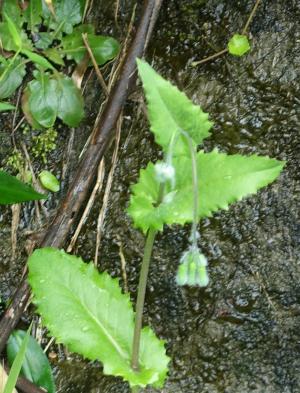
pixel 141 299
pixel 142 289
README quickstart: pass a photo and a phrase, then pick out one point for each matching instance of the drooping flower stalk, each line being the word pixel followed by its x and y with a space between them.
pixel 192 269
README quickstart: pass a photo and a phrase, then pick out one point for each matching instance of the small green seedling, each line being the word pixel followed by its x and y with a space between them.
pixel 188 184
pixel 49 181
pixel 238 45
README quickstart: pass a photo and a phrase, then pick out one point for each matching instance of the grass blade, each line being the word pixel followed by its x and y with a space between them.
pixel 17 365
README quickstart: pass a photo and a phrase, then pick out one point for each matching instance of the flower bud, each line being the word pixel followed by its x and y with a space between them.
pixel 164 172
pixel 192 269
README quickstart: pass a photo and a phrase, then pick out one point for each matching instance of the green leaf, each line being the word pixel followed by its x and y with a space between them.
pixel 43 99
pixel 44 40
pixel 7 41
pixel 54 55
pixel 26 110
pixel 35 365
pixel 70 108
pixel 33 14
pixel 49 181
pixel 170 111
pixel 103 48
pixel 238 45
pixel 222 180
pixel 13 30
pixel 50 97
pixel 88 312
pixel 37 59
pixel 4 106
pixel 12 9
pixel 67 14
pixel 12 72
pixel 17 364
pixel 13 190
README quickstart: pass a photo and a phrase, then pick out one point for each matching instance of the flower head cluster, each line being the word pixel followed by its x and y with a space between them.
pixel 164 172
pixel 192 269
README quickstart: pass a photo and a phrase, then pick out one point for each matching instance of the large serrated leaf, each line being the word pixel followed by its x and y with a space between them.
pixel 36 366
pixel 222 180
pixel 170 111
pixel 88 312
pixel 13 190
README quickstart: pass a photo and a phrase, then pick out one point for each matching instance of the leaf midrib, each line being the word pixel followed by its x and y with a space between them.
pixel 114 343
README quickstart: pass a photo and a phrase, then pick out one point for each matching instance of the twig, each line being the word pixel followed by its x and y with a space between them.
pixel 251 16
pixel 67 211
pixel 103 210
pixel 96 189
pixel 92 57
pixel 16 210
pixel 117 6
pixel 211 57
pixel 123 267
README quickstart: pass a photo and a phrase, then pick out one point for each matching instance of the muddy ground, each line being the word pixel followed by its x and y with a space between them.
pixel 242 333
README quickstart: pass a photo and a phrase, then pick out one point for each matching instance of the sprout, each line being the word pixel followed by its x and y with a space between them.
pixel 192 269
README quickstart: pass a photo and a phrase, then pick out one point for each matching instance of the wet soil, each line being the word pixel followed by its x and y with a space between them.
pixel 242 333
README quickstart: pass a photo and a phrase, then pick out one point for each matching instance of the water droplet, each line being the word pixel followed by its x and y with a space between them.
pixel 85 329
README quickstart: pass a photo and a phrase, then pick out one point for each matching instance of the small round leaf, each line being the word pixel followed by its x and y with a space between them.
pixel 238 45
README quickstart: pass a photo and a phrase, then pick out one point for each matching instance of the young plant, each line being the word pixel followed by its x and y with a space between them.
pixel 96 319
pixel 45 33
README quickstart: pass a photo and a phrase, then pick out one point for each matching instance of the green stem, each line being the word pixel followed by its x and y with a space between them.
pixel 195 186
pixel 142 290
pixel 141 298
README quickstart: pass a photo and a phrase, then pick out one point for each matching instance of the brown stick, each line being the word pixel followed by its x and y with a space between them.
pixel 28 387
pixel 25 385
pixel 84 177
